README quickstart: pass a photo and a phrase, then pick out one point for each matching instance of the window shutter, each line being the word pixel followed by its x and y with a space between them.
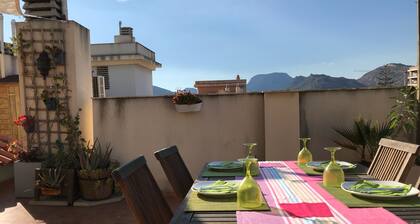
pixel 101 86
pixel 103 71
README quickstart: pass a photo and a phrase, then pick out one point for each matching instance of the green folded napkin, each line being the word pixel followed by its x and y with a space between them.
pixel 367 187
pixel 220 187
pixel 225 165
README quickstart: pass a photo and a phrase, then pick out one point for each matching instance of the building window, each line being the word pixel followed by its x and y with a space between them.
pixel 103 71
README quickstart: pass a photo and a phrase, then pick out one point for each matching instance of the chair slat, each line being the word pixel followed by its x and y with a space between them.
pixel 175 169
pixel 142 193
pixel 393 160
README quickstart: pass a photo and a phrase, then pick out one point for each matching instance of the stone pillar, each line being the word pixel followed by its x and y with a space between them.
pixel 72 64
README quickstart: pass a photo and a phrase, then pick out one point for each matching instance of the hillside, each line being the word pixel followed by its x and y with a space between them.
pixel 396 72
pixel 158 91
pixel 321 81
pixel 269 82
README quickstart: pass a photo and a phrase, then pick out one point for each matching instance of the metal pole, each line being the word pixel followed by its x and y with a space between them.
pixel 417 129
pixel 2 63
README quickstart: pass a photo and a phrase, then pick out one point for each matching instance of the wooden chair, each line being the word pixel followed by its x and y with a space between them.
pixel 393 160
pixel 142 193
pixel 175 169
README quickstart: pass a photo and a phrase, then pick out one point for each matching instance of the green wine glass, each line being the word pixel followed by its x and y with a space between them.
pixel 249 193
pixel 255 171
pixel 333 175
pixel 250 147
pixel 304 156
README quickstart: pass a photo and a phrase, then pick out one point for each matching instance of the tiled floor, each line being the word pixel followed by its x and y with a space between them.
pixel 114 213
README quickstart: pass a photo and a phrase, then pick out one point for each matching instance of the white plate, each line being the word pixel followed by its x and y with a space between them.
pixel 316 165
pixel 221 165
pixel 197 186
pixel 346 187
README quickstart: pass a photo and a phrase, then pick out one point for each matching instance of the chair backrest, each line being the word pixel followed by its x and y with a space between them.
pixel 142 193
pixel 175 169
pixel 393 160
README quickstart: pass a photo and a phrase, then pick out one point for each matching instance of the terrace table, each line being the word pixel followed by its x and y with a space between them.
pixel 410 215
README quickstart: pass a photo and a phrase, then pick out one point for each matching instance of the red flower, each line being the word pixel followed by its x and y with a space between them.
pixel 24 120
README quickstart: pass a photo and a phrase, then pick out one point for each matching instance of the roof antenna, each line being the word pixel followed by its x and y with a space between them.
pixel 120 24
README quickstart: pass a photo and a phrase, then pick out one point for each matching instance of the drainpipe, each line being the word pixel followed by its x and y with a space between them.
pixel 418 74
pixel 2 63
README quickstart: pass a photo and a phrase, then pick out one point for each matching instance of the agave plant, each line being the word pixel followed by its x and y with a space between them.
pixel 52 178
pixel 95 160
pixel 364 137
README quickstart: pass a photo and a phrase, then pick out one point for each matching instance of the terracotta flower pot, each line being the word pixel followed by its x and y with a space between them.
pixel 48 191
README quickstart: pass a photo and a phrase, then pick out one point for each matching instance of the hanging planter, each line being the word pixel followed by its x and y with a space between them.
pixel 44 64
pixel 27 122
pixel 51 103
pixel 185 101
pixel 50 98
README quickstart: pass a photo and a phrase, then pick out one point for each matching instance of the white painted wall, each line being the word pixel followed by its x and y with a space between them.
pixel 10 65
pixel 129 80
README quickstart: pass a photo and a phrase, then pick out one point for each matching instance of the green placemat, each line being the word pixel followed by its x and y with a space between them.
pixel 360 169
pixel 198 203
pixel 358 202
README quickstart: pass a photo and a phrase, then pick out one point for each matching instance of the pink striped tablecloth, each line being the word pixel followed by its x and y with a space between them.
pixel 285 182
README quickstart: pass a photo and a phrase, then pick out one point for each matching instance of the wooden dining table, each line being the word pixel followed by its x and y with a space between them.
pixel 408 214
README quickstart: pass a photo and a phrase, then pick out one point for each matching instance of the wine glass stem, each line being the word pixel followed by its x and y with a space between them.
pixel 333 156
pixel 248 168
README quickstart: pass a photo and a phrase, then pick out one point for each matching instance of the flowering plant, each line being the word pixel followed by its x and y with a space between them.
pixel 27 122
pixel 185 97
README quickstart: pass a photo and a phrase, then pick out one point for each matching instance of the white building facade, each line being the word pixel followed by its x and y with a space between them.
pixel 123 68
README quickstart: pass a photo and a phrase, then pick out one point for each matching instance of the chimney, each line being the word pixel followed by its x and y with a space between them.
pixel 51 9
pixel 125 35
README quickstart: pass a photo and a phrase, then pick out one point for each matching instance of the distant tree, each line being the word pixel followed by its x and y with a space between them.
pixel 385 78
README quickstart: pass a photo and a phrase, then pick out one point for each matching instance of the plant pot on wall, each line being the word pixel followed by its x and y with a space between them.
pixel 185 108
pixel 51 103
pixel 186 101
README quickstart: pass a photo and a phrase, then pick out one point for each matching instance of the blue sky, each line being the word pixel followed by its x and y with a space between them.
pixel 217 39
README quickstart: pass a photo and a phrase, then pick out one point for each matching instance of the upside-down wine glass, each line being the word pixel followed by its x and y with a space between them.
pixel 304 156
pixel 333 175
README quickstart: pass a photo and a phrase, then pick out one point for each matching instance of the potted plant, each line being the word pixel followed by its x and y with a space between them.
pixel 95 179
pixel 24 171
pixel 50 98
pixel 27 122
pixel 185 101
pixel 50 182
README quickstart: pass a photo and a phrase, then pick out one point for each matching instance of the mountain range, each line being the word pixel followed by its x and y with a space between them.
pixel 395 73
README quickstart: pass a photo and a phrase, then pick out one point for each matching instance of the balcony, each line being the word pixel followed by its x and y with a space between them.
pixel 275 120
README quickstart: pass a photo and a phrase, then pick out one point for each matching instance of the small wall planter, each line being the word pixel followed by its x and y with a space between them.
pixel 51 103
pixel 186 108
pixel 24 174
